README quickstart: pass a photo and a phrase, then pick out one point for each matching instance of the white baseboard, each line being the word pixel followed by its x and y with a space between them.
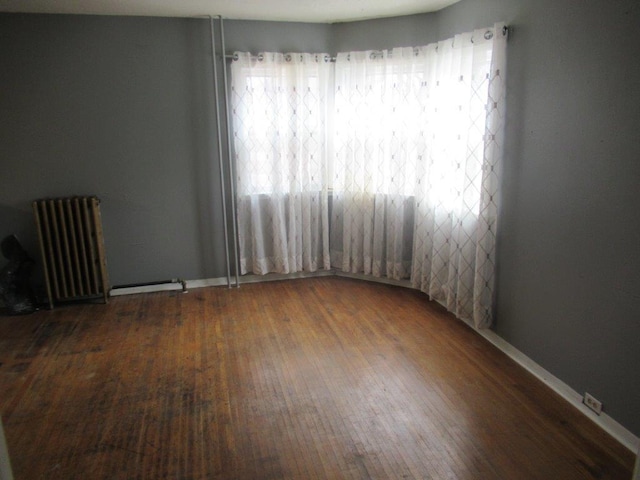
pixel 604 421
pixel 207 282
pixel 215 282
pixel 274 277
pixel 162 287
pixel 371 278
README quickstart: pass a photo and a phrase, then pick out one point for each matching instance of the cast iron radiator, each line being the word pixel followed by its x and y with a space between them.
pixel 72 248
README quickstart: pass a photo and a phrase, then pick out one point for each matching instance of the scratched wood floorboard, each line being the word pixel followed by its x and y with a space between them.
pixel 305 379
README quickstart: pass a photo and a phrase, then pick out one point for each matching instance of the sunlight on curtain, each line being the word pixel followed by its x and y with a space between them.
pixel 401 148
pixel 279 110
pixel 417 139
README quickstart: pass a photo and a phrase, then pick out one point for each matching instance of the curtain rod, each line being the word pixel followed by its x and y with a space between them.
pixel 506 29
pixel 234 56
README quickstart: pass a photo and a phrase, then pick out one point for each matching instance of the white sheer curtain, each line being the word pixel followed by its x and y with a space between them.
pixel 417 138
pixel 279 114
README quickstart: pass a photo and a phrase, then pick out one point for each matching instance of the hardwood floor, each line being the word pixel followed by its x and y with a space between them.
pixel 318 378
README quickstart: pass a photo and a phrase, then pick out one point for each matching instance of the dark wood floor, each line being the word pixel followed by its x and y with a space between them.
pixel 317 378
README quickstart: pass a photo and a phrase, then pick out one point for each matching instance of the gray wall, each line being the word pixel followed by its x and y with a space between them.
pixel 252 36
pixel 120 108
pixel 409 31
pixel 123 108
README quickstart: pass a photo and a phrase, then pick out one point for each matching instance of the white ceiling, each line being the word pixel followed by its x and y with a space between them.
pixel 317 11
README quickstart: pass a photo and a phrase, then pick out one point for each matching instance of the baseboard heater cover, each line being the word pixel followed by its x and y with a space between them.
pixel 72 248
pixel 150 287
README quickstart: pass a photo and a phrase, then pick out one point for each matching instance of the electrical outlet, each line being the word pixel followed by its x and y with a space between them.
pixel 592 402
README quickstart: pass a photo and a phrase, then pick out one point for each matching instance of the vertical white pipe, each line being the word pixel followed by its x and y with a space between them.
pixel 231 174
pixel 222 189
pixel 5 464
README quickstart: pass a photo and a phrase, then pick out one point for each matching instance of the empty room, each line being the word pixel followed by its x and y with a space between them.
pixel 319 240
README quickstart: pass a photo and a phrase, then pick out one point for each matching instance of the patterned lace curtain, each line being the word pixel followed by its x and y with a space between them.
pixel 279 108
pixel 418 143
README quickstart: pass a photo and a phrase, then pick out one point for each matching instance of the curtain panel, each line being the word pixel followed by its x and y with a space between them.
pixel 279 106
pixel 403 145
pixel 418 144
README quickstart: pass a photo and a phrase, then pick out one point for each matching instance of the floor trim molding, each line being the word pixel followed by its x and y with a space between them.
pixel 604 421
